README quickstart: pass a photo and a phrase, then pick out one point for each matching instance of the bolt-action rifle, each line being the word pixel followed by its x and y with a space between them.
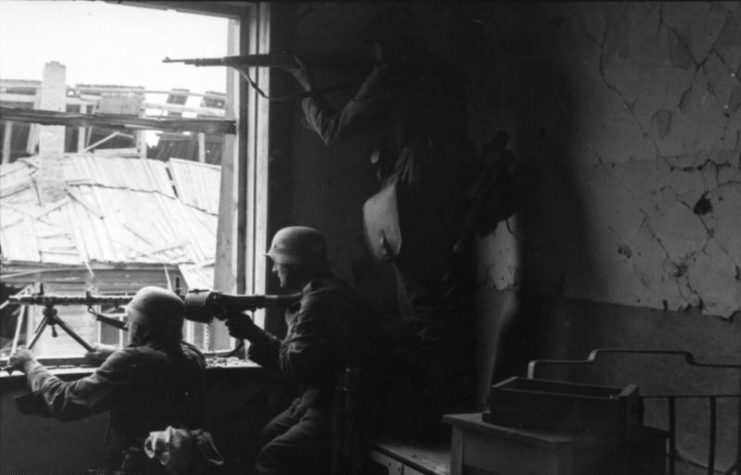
pixel 347 63
pixel 340 61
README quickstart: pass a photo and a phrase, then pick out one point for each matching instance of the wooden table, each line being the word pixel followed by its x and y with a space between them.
pixel 482 448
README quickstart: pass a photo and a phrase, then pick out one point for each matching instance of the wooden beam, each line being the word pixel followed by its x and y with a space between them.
pixel 222 9
pixel 141 144
pixel 209 126
pixel 81 138
pixel 202 147
pixel 211 111
pixel 7 141
pixel 84 89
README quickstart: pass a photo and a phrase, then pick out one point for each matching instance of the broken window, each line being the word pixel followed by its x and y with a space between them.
pixel 147 183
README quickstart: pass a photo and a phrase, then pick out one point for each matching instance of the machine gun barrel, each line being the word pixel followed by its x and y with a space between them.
pixel 53 300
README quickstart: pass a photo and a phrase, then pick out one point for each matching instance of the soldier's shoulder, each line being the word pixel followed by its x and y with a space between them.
pixel 324 286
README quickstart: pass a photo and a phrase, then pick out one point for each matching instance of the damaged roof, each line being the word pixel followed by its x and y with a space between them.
pixel 115 211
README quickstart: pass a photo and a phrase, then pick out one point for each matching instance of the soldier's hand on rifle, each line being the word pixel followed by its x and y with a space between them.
pixel 22 360
pixel 240 325
pixel 242 68
pixel 302 75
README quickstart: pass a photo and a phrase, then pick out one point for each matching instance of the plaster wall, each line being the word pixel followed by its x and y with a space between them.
pixel 632 146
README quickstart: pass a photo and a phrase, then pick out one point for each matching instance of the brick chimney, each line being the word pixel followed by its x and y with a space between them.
pixel 53 96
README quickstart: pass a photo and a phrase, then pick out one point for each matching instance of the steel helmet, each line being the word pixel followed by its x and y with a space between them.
pixel 156 308
pixel 298 245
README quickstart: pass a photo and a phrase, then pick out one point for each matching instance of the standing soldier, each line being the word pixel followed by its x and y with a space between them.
pixel 424 165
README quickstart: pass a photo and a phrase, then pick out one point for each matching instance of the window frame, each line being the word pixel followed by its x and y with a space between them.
pixel 240 265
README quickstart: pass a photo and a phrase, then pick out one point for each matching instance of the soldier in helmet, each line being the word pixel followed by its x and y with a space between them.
pixel 330 329
pixel 155 381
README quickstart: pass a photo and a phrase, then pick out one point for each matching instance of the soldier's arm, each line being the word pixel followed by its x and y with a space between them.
pixel 367 108
pixel 81 398
pixel 307 353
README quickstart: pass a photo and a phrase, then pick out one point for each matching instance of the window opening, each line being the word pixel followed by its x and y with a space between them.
pixel 119 141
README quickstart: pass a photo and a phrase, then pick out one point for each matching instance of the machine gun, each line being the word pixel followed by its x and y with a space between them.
pixel 200 306
pixel 51 318
pixel 205 305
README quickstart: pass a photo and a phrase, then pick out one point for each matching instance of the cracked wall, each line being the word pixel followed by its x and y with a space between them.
pixel 626 120
pixel 652 105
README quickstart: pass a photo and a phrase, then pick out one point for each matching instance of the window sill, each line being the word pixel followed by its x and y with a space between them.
pixel 75 368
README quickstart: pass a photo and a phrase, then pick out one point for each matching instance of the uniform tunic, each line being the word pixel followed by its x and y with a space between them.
pixel 330 329
pixel 143 388
pixel 419 106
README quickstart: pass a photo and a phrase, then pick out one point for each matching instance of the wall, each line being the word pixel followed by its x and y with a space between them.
pixel 624 118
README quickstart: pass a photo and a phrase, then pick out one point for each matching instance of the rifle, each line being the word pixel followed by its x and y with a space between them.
pixel 341 61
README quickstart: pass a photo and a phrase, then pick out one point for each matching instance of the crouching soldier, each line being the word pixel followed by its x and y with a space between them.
pixel 330 330
pixel 155 382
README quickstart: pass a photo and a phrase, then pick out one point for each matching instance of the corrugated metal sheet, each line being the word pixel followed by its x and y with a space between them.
pixel 117 211
pixel 197 184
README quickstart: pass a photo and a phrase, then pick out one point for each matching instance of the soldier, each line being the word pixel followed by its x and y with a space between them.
pixel 330 329
pixel 154 382
pixel 424 164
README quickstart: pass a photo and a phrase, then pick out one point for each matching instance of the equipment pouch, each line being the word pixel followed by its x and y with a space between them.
pixel 382 225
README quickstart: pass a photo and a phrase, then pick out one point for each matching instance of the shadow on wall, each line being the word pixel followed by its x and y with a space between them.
pixel 541 107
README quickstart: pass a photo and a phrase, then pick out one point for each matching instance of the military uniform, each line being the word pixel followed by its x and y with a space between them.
pixel 420 106
pixel 331 328
pixel 143 388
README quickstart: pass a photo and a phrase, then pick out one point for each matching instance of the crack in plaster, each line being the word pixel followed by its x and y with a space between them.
pixel 710 238
pixel 626 251
pixel 583 25
pixel 630 107
pixel 680 54
pixel 660 23
pixel 678 270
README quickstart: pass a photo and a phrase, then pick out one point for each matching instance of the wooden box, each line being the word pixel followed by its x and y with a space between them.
pixel 569 407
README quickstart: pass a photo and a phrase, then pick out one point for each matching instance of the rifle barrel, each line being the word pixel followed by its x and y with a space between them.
pixel 285 61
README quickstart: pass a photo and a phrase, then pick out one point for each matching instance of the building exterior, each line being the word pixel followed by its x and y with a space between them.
pixel 121 224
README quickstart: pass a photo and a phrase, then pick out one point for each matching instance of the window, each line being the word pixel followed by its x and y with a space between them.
pixel 179 169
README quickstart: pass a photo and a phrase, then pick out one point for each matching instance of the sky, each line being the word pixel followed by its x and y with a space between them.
pixel 102 43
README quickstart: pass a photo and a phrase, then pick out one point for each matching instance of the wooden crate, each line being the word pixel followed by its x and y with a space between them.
pixel 556 405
